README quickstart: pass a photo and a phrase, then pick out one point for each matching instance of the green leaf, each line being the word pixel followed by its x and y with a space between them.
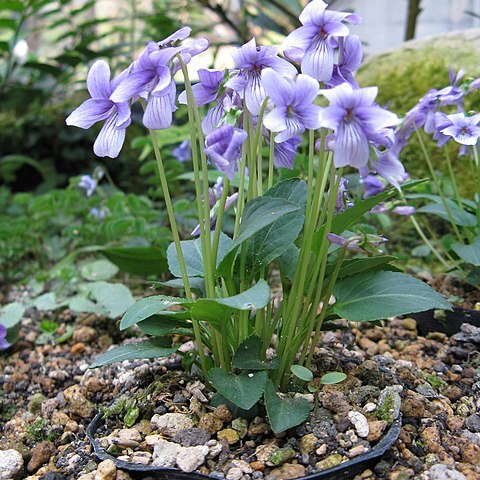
pixel 243 390
pixel 275 239
pixel 249 415
pixel 80 303
pixel 469 253
pixel 259 213
pixel 12 5
pixel 11 314
pixel 151 348
pixel 331 378
pixel 196 284
pixel 138 260
pixel 218 310
pixel 166 323
pixel 47 301
pixel 358 265
pixel 459 217
pixel 249 356
pixel 192 254
pixel 286 413
pixel 378 295
pixel 288 261
pixel 146 307
pixel 98 270
pixel 301 372
pixel 114 297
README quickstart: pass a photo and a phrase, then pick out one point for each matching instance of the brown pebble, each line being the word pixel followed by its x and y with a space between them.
pixel 223 413
pixel 258 466
pixel 78 348
pixel 85 334
pixel 41 454
pixel 455 423
pixel 211 423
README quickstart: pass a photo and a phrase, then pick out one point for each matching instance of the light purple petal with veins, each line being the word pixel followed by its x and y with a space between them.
pixel 98 80
pixel 158 114
pixel 89 112
pixel 313 12
pixel 110 139
pixel 132 85
pixel 351 146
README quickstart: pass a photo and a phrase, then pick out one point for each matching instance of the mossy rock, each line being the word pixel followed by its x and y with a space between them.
pixel 405 74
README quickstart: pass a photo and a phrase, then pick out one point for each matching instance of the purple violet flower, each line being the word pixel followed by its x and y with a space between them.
pixel 352 243
pixel 373 186
pixel 406 210
pixel 207 90
pixel 351 55
pixel 388 166
pixel 98 212
pixel 356 120
pixel 313 44
pixel 4 344
pixel 152 76
pixel 463 129
pixel 214 195
pixel 284 153
pixel 88 183
pixel 224 147
pixel 454 93
pixel 251 61
pixel 342 201
pixel 294 110
pixel 183 152
pixel 101 107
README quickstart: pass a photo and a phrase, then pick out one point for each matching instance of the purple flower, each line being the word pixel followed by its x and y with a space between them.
pixel 183 152
pixel 214 195
pixel 101 107
pixel 4 344
pixel 373 186
pixel 351 55
pixel 99 213
pixel 224 147
pixel 342 201
pixel 152 76
pixel 404 210
pixel 356 121
pixel 454 93
pixel 206 91
pixel 463 129
pixel 294 110
pixel 313 45
pixel 351 243
pixel 89 184
pixel 284 153
pixel 388 166
pixel 251 61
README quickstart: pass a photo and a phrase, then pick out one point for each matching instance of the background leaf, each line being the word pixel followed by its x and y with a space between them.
pixel 151 348
pixel 377 295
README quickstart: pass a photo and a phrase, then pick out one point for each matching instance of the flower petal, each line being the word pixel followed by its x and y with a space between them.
pixel 98 80
pixel 279 89
pixel 318 60
pixel 313 13
pixel 158 114
pixel 351 146
pixel 275 120
pixel 110 139
pixel 89 112
pixel 132 85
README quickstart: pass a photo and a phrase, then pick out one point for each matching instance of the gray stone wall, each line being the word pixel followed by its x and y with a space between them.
pixel 384 20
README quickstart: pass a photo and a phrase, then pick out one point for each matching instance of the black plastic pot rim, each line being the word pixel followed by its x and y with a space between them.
pixel 343 471
pixel 447 322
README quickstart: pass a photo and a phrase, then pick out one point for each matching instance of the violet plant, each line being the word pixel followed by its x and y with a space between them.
pixel 441 114
pixel 260 114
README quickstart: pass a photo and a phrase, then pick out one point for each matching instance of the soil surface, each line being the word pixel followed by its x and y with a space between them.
pixel 48 396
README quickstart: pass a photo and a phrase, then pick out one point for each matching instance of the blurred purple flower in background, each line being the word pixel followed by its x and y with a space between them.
pixel 313 44
pixel 4 344
pixel 373 186
pixel 101 107
pixel 224 147
pixel 251 61
pixel 183 152
pixel 356 120
pixel 294 110
pixel 88 183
